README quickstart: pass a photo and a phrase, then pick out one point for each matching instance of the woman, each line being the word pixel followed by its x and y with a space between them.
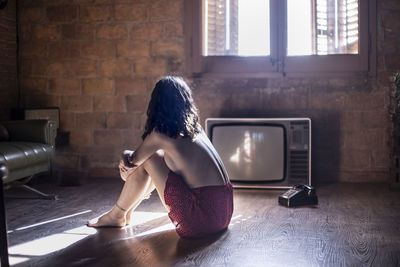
pixel 177 159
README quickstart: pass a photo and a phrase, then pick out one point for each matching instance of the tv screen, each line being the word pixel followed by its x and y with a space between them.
pixel 256 151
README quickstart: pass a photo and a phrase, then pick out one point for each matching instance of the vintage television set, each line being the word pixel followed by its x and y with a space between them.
pixel 263 152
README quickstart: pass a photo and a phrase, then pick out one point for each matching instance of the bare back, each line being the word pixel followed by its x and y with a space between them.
pixel 195 159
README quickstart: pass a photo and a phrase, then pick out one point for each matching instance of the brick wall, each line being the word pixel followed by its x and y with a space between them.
pixel 8 60
pixel 349 119
pixel 98 61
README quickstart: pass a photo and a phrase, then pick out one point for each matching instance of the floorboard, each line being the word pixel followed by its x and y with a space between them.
pixel 353 225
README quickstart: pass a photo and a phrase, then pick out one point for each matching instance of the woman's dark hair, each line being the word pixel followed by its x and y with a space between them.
pixel 171 109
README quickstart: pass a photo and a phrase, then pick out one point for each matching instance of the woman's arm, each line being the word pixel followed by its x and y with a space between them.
pixel 149 146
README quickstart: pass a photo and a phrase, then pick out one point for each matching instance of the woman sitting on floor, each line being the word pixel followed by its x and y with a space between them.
pixel 177 159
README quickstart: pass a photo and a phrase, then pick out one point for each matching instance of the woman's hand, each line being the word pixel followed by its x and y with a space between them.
pixel 125 171
pixel 126 167
pixel 127 158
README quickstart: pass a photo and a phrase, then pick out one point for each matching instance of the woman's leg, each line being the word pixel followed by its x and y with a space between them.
pixel 136 204
pixel 133 191
pixel 158 171
pixel 136 187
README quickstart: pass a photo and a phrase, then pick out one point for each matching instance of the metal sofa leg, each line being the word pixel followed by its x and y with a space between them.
pixel 22 183
pixel 41 194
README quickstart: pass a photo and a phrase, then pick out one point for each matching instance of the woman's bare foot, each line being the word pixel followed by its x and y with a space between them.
pixel 113 218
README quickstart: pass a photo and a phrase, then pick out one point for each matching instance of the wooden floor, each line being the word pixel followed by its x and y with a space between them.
pixel 353 225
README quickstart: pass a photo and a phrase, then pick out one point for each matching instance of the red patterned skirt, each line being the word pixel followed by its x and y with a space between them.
pixel 198 212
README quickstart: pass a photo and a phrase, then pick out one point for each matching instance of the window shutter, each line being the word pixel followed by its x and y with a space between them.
pixel 337 27
pixel 216 27
pixel 348 27
pixel 222 27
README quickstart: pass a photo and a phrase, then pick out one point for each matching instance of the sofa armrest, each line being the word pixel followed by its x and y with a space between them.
pixel 41 131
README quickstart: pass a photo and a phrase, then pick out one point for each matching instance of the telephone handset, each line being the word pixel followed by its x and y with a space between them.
pixel 299 195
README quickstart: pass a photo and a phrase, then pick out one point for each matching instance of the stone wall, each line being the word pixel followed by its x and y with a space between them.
pixel 8 60
pixel 98 61
pixel 349 118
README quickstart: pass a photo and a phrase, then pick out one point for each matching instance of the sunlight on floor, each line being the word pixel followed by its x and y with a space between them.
pixel 234 218
pixel 140 217
pixel 14 260
pixel 170 226
pixel 159 229
pixel 50 221
pixel 49 244
pixel 52 243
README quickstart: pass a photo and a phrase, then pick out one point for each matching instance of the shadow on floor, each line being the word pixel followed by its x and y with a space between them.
pixel 121 247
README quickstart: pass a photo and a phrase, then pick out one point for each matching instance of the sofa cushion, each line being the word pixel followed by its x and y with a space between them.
pixel 4 136
pixel 24 154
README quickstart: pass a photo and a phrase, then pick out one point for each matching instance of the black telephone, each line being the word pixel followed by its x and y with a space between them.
pixel 299 195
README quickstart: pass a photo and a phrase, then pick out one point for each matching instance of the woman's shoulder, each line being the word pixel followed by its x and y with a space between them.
pixel 159 135
pixel 164 140
pixel 179 143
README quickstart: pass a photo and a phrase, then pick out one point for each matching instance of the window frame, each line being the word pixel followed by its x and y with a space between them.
pixel 278 64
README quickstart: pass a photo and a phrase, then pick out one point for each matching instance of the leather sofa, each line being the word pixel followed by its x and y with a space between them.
pixel 28 149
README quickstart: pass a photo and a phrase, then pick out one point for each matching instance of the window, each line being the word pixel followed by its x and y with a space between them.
pixel 236 28
pixel 280 36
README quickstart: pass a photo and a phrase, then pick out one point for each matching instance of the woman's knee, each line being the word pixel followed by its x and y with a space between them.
pixel 155 160
pixel 156 166
pixel 138 174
